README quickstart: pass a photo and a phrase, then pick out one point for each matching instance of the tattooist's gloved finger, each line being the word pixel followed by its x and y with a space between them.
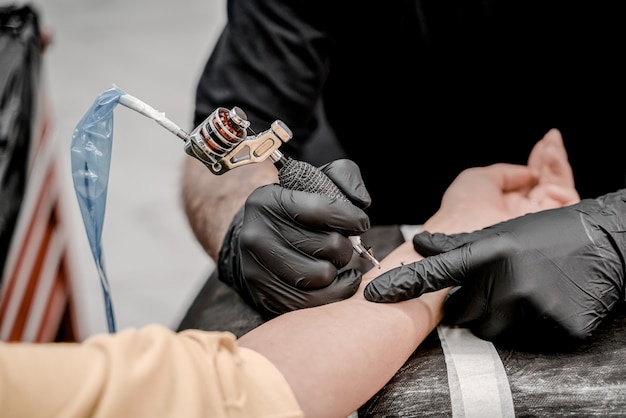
pixel 430 274
pixel 470 302
pixel 296 215
pixel 481 299
pixel 298 267
pixel 276 297
pixel 289 242
pixel 427 244
pixel 542 279
pixel 310 211
pixel 293 232
pixel 458 310
pixel 330 246
pixel 290 280
pixel 296 264
pixel 347 176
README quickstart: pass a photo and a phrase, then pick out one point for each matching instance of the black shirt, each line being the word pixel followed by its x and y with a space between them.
pixel 416 91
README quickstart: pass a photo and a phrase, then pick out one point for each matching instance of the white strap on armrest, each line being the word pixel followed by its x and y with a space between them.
pixel 479 386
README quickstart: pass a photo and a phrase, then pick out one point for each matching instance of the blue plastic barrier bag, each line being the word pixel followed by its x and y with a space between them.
pixel 92 142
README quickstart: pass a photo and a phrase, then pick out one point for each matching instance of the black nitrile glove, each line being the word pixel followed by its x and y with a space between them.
pixel 283 250
pixel 543 279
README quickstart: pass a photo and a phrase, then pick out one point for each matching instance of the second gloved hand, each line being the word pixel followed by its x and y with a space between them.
pixel 285 248
pixel 545 278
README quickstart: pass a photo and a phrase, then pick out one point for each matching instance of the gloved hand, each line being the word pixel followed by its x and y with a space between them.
pixel 284 249
pixel 546 278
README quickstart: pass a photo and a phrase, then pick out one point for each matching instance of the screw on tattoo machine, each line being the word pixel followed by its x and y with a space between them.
pixel 224 141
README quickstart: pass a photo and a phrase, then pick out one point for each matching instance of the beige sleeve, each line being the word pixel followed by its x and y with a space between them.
pixel 151 372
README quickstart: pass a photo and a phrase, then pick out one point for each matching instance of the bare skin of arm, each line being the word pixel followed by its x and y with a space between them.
pixel 336 356
pixel 211 201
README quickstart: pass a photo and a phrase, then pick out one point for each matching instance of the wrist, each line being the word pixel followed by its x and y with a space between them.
pixel 228 259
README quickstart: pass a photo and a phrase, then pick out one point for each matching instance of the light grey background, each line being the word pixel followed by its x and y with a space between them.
pixel 154 50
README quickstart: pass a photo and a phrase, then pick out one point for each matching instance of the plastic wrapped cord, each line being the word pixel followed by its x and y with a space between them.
pixel 91 159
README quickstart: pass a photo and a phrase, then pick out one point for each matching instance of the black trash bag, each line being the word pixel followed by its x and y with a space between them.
pixel 20 66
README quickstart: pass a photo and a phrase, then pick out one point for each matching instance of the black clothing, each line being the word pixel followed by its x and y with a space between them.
pixel 416 91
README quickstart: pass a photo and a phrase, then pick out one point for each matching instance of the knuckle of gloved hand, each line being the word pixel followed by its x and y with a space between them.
pixel 261 195
pixel 270 197
pixel 342 287
pixel 333 215
pixel 251 238
pixel 318 277
pixel 336 248
pixel 256 208
pixel 348 219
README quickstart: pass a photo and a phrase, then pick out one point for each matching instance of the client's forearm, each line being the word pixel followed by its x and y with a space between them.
pixel 337 356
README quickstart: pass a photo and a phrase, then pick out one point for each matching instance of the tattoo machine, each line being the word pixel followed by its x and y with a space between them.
pixel 222 142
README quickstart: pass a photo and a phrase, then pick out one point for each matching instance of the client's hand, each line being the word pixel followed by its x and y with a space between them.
pixel 534 279
pixel 483 196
